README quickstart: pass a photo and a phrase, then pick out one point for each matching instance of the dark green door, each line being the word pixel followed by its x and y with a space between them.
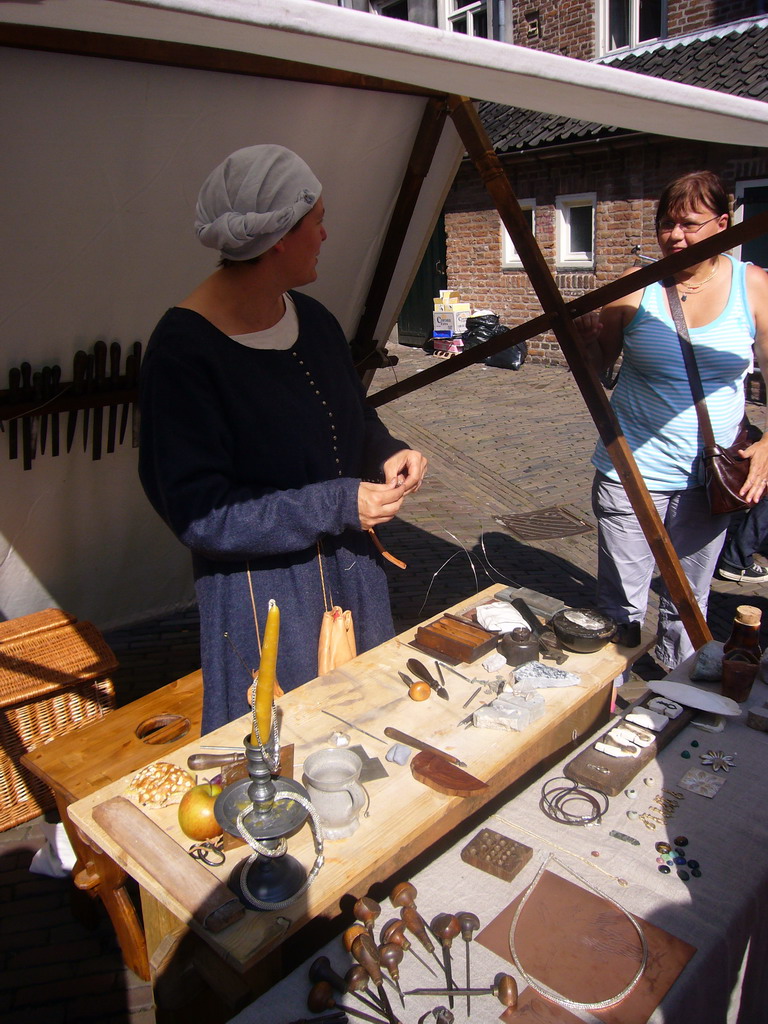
pixel 414 324
pixel 755 201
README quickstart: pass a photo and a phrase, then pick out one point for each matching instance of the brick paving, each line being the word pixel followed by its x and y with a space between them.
pixel 499 442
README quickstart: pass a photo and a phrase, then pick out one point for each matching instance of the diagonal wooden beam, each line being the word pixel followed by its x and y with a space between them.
pixel 480 151
pixel 364 344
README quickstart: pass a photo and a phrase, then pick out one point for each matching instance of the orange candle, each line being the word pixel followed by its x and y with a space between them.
pixel 265 684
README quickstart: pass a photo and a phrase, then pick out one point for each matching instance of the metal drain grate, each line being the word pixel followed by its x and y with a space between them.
pixel 544 523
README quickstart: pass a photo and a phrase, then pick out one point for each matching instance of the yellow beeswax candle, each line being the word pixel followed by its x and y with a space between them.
pixel 265 684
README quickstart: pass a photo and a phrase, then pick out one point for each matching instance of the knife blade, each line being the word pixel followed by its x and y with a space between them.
pixel 79 365
pixel 26 421
pixel 135 419
pixel 89 361
pixel 114 380
pixel 45 391
pixel 55 382
pixel 403 737
pixel 99 376
pixel 129 361
pixel 14 386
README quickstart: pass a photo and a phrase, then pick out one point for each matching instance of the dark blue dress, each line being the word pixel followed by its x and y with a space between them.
pixel 252 456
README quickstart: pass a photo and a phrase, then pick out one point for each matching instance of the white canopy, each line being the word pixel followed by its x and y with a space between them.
pixel 113 113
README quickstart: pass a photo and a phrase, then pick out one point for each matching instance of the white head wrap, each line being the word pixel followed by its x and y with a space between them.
pixel 252 199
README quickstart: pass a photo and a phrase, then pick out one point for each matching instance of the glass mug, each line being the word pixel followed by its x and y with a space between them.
pixel 331 776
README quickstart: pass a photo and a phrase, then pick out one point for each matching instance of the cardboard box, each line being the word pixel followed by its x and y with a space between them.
pixel 452 321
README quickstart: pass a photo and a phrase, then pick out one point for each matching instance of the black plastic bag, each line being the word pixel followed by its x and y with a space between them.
pixel 480 329
pixel 511 358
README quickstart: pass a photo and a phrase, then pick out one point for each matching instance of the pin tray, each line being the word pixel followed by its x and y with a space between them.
pixel 455 638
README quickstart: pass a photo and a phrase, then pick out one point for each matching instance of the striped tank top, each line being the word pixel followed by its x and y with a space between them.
pixel 652 399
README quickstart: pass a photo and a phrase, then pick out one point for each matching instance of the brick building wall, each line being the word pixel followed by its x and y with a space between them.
pixel 627 178
pixel 569 27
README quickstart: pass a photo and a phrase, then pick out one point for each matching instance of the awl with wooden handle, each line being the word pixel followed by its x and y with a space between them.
pixel 403 737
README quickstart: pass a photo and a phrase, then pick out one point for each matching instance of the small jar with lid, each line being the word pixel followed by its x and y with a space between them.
pixel 742 653
pixel 519 646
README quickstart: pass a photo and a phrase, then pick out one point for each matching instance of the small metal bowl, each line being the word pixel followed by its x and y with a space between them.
pixel 583 630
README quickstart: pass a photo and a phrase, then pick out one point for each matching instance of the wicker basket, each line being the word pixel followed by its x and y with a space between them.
pixel 54 677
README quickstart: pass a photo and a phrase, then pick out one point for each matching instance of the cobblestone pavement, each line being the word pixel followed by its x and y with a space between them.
pixel 499 442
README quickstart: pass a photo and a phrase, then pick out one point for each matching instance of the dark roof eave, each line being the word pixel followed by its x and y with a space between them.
pixel 550 151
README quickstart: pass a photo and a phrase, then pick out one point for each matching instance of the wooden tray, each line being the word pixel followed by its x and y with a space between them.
pixel 612 775
pixel 456 638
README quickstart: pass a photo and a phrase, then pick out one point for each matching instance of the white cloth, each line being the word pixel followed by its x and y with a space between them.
pixel 253 199
pixel 500 617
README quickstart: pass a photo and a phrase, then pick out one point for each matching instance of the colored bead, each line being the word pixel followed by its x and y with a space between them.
pixel 679 860
pixel 695 872
pixel 664 869
pixel 694 743
pixel 663 847
pixel 683 874
pixel 595 853
pixel 631 793
pixel 632 814
pixel 680 851
pixel 686 754
pixel 681 841
pixel 693 864
pixel 660 860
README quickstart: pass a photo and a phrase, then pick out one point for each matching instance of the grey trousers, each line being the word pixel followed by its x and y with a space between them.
pixel 625 563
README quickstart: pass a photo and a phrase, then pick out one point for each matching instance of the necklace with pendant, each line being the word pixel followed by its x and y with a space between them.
pixel 691 289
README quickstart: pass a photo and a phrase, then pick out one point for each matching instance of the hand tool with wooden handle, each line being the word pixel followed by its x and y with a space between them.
pixel 394 931
pixel 504 988
pixel 356 980
pixel 201 762
pixel 366 910
pixel 390 958
pixel 321 998
pixel 445 928
pixel 365 951
pixel 321 970
pixel 422 672
pixel 469 923
pixel 414 922
pixel 403 737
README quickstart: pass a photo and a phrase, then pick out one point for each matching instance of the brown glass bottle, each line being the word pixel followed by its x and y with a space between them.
pixel 742 653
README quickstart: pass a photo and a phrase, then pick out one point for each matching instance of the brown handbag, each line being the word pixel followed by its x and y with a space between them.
pixel 725 471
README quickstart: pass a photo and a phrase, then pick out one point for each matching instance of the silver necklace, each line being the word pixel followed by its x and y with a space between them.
pixel 550 993
pixel 691 289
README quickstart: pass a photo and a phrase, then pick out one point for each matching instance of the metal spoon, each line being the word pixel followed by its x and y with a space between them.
pixel 422 672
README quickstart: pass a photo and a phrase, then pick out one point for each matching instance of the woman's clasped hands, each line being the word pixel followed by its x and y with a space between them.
pixel 379 503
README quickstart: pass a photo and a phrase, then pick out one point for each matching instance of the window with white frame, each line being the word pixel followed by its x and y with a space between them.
pixel 751 197
pixel 470 17
pixel 575 216
pixel 623 23
pixel 509 255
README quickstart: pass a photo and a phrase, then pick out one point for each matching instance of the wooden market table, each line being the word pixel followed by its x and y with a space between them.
pixel 405 816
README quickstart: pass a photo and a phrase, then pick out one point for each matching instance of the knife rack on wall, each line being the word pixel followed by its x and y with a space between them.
pixel 32 407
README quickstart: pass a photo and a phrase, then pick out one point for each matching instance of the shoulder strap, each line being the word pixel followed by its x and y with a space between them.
pixel 694 378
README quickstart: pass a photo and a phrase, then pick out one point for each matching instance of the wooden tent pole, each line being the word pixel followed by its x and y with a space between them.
pixel 480 151
pixel 364 344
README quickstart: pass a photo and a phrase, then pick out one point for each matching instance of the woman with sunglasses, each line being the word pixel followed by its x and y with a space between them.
pixel 725 303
